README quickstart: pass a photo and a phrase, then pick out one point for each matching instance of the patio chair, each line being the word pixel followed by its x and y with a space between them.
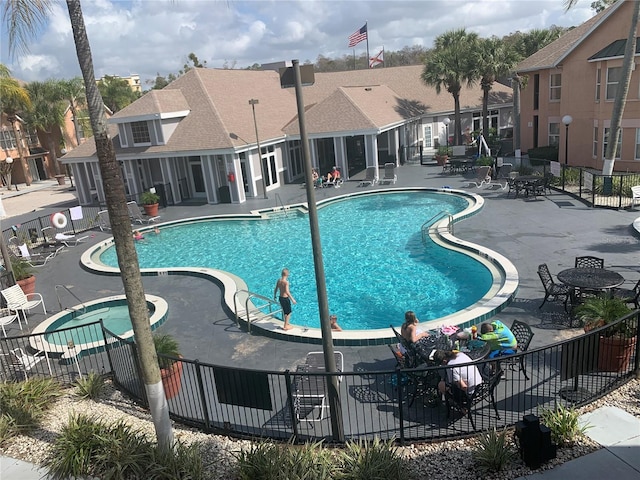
pixel 523 334
pixel 483 176
pixel 35 259
pixel 26 362
pixel 19 302
pixel 482 392
pixel 310 391
pixel 69 240
pixel 504 175
pixel 629 295
pixel 551 288
pixel 103 220
pixel 589 262
pixel 370 178
pixel 137 216
pixel 412 359
pixel 635 195
pixel 420 382
pixel 389 173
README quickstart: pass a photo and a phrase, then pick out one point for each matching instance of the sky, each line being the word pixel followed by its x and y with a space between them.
pixel 146 37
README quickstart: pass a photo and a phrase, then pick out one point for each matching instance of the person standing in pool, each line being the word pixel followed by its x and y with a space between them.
pixel 285 297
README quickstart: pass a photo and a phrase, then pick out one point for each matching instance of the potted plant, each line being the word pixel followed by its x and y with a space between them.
pixel 442 155
pixel 150 203
pixel 170 369
pixel 23 275
pixel 616 344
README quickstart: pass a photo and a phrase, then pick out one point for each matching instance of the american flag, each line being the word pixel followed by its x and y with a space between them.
pixel 358 36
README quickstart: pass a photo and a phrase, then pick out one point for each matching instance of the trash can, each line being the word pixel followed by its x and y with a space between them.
pixel 224 194
pixel 607 185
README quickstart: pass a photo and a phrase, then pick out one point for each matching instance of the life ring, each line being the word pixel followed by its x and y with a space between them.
pixel 59 220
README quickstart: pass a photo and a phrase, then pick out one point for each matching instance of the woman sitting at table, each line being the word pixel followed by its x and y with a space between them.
pixel 410 330
pixel 460 381
pixel 499 337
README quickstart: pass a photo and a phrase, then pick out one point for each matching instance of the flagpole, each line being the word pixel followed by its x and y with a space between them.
pixel 366 27
pixel 354 58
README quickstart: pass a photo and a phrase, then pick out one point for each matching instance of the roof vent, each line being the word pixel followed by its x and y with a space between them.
pixel 367 89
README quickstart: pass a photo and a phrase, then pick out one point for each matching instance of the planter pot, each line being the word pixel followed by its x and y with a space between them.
pixel 172 379
pixel 615 353
pixel 61 179
pixel 151 210
pixel 28 285
pixel 442 159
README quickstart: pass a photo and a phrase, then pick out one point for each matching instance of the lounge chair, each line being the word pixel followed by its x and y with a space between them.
pixel 103 220
pixel 334 182
pixel 310 391
pixel 137 216
pixel 19 302
pixel 69 240
pixel 371 177
pixel 26 362
pixel 504 175
pixel 635 195
pixel 389 173
pixel 33 259
pixel 483 176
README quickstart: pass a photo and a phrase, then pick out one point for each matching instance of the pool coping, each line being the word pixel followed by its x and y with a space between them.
pixel 38 341
pixel 499 296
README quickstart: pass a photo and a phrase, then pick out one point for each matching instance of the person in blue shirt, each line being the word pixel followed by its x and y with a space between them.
pixel 500 339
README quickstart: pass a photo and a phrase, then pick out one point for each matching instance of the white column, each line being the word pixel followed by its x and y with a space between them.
pixel 340 147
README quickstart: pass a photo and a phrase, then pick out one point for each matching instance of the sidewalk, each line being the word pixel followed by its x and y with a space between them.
pixel 613 428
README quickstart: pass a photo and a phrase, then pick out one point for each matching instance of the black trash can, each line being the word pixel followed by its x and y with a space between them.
pixel 607 185
pixel 224 194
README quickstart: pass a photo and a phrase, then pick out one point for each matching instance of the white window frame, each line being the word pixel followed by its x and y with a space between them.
pixel 555 89
pixel 133 133
pixel 598 83
pixel 8 140
pixel 612 86
pixel 605 141
pixel 596 131
pixel 554 137
pixel 427 136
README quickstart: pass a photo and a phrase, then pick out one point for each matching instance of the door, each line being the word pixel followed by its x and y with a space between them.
pixel 197 177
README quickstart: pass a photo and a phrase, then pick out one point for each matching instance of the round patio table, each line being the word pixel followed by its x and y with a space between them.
pixel 590 278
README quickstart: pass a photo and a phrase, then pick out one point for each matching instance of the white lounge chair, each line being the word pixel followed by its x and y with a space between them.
pixel 137 216
pixel 483 176
pixel 504 175
pixel 310 391
pixel 19 302
pixel 34 259
pixel 371 177
pixel 103 220
pixel 27 362
pixel 635 195
pixel 389 173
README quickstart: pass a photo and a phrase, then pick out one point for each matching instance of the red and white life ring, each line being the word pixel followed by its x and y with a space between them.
pixel 59 220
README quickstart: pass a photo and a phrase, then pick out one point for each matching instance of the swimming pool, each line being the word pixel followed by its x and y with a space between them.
pixel 75 322
pixel 376 263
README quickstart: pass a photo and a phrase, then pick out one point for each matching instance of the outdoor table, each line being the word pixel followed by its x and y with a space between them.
pixel 523 181
pixel 590 278
pixel 445 342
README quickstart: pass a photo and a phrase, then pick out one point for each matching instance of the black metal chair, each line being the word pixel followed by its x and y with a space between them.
pixel 629 295
pixel 523 334
pixel 421 382
pixel 551 288
pixel 484 391
pixel 589 262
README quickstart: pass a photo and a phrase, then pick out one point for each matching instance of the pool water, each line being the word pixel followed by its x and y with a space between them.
pixel 376 264
pixel 115 319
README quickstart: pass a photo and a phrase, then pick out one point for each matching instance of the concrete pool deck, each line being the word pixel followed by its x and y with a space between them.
pixel 528 232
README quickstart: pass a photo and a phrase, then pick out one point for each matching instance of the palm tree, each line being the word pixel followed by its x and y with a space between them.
pixel 46 114
pixel 116 93
pixel 495 59
pixel 73 91
pixel 622 90
pixel 23 19
pixel 449 65
pixel 14 98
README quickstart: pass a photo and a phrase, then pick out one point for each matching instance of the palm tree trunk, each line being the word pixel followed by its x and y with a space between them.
pixel 457 135
pixel 485 110
pixel 621 93
pixel 52 153
pixel 122 234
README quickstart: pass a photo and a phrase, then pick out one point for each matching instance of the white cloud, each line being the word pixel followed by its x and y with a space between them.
pixel 146 37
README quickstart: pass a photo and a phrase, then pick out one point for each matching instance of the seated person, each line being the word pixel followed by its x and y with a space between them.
pixel 409 329
pixel 137 235
pixel 499 337
pixel 460 382
pixel 317 180
pixel 333 319
pixel 333 175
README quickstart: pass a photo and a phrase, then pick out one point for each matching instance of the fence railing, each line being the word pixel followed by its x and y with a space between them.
pixel 386 404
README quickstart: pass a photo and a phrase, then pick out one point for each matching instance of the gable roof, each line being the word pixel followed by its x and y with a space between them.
pixel 154 103
pixel 553 54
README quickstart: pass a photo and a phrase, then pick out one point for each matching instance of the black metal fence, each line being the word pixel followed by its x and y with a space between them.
pixel 587 184
pixel 401 404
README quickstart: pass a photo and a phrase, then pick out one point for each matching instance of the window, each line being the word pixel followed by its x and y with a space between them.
pixel 598 84
pixel 477 120
pixel 637 157
pixel 613 77
pixel 595 142
pixel 295 154
pixel 268 158
pixel 7 140
pixel 605 143
pixel 140 132
pixel 428 140
pixel 554 134
pixel 555 86
pixel 536 91
pixel 32 137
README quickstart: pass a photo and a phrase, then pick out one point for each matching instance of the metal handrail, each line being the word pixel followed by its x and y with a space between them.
pixel 251 295
pixel 284 209
pixel 84 307
pixel 425 226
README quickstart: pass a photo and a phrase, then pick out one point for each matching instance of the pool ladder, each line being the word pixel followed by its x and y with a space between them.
pixel 427 225
pixel 252 313
pixel 84 307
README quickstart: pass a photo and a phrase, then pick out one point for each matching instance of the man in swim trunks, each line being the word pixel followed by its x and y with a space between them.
pixel 285 297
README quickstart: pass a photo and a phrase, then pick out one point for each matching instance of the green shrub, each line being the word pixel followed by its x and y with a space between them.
pixel 563 423
pixel 7 428
pixel 549 152
pixel 87 447
pixel 90 386
pixel 484 161
pixel 493 452
pixel 270 460
pixel 377 460
pixel 24 403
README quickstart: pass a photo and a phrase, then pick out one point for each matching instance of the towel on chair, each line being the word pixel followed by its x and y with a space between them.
pixel 76 213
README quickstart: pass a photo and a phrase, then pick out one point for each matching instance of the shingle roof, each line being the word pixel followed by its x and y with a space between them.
pixel 614 49
pixel 220 116
pixel 552 55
